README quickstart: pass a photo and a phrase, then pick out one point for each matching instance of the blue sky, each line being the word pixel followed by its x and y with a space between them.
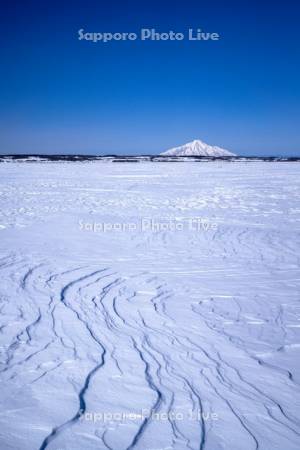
pixel 62 95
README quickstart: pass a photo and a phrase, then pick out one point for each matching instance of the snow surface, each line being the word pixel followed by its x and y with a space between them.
pixel 144 339
pixel 197 148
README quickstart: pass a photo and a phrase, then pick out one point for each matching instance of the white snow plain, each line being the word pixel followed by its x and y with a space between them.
pixel 180 333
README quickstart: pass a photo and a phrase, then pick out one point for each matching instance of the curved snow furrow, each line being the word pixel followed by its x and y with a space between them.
pixel 166 374
pixel 241 420
pixel 46 372
pixel 109 320
pixel 242 392
pixel 257 395
pixel 23 339
pixel 242 345
pixel 118 324
pixel 29 328
pixel 14 346
pixel 284 420
pixel 82 406
pixel 227 386
pixel 218 378
pixel 28 275
pixel 238 342
pixel 64 298
pixel 124 322
pixel 264 395
pixel 67 296
pixel 53 277
pixel 132 328
pixel 154 388
pixel 250 244
pixel 171 373
pixel 162 373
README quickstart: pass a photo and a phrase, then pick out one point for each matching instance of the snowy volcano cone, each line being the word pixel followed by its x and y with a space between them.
pixel 197 148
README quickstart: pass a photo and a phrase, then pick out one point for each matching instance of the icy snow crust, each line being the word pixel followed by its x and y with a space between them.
pixel 145 339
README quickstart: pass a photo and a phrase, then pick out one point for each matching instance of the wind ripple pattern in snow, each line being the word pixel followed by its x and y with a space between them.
pixel 198 329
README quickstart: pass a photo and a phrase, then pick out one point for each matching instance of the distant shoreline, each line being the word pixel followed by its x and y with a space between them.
pixel 141 158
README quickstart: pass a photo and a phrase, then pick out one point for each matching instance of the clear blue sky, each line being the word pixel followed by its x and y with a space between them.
pixel 62 95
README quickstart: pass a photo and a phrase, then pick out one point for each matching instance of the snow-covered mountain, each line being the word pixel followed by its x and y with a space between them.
pixel 197 148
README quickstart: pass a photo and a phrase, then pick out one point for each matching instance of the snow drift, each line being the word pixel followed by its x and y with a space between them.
pixel 172 337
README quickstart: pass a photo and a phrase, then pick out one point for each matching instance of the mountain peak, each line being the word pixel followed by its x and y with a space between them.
pixel 197 148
